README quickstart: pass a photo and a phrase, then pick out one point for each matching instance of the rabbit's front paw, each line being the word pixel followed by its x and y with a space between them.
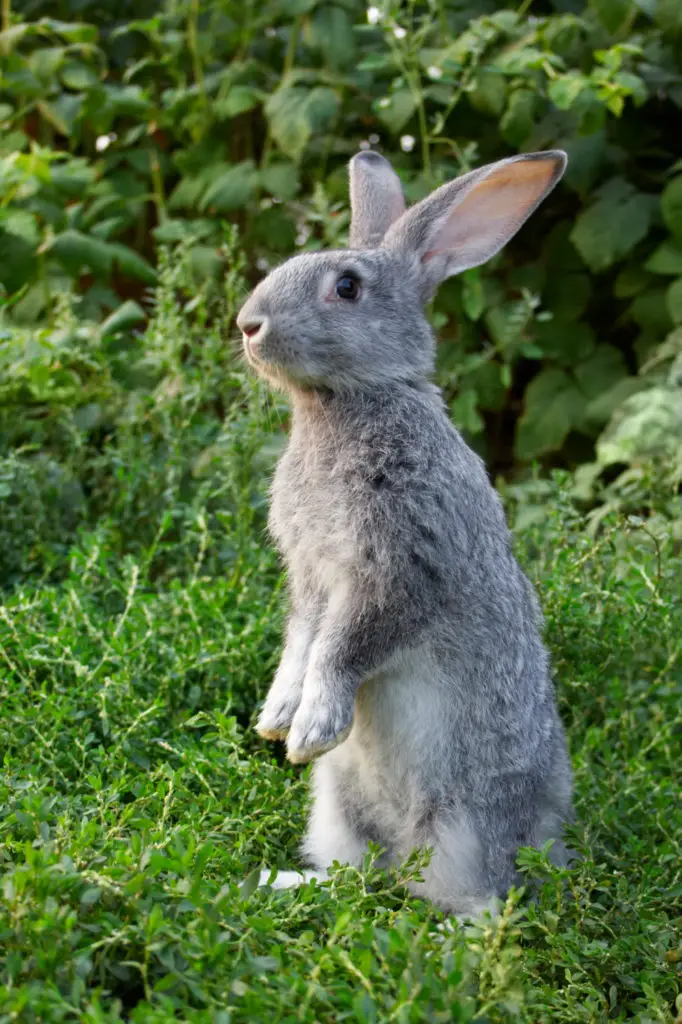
pixel 319 725
pixel 278 713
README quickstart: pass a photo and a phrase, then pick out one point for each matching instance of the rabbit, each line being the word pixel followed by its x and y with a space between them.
pixel 413 673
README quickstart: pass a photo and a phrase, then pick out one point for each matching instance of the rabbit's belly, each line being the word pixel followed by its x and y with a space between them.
pixel 401 741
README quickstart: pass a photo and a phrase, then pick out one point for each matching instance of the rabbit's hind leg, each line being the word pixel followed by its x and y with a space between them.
pixel 332 835
pixel 454 879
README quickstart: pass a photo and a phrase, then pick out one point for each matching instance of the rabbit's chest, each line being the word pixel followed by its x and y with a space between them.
pixel 311 518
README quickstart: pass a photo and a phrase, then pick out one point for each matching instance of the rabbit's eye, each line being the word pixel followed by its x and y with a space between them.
pixel 347 287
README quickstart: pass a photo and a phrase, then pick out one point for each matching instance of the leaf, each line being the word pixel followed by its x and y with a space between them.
pixel 130 262
pixel 122 319
pixel 612 13
pixel 250 884
pixel 78 76
pixel 186 193
pixel 77 252
pixel 671 206
pixel 473 297
pixel 598 374
pixel 204 262
pixel 90 896
pixel 673 299
pixel 667 259
pixel 518 119
pixel 489 92
pixel 564 90
pixel 63 112
pixel 611 227
pixel 567 295
pixel 646 424
pixel 397 109
pixel 330 32
pixel 17 260
pixel 74 31
pixel 650 311
pixel 232 189
pixel 321 108
pixel 553 404
pixel 292 8
pixel 568 342
pixel 295 113
pixel 631 281
pixel 239 99
pixel 601 408
pixel 280 179
pixel 586 155
pixel 464 412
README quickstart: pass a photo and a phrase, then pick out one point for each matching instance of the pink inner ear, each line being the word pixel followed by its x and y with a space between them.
pixel 492 211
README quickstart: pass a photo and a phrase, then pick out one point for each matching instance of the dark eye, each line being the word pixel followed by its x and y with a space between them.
pixel 347 287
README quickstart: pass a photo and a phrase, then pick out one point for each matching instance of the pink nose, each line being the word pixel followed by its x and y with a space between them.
pixel 251 328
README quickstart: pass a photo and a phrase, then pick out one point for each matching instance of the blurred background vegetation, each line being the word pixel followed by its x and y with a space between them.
pixel 156 159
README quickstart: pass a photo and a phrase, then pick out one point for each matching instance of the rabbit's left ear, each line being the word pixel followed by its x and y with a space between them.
pixel 376 199
pixel 464 223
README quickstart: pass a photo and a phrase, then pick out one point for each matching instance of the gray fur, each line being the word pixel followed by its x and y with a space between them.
pixel 376 199
pixel 413 667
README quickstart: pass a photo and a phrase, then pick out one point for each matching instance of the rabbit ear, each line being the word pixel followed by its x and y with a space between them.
pixel 376 198
pixel 464 223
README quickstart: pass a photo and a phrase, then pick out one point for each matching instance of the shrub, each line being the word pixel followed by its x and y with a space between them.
pixel 147 126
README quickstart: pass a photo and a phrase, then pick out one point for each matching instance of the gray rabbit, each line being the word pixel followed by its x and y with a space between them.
pixel 413 667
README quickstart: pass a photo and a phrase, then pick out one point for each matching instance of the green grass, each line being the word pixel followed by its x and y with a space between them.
pixel 137 799
pixel 140 624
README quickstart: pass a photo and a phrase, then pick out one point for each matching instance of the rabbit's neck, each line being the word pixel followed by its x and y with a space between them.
pixel 316 410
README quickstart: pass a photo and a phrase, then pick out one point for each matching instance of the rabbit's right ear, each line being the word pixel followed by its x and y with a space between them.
pixel 464 223
pixel 376 199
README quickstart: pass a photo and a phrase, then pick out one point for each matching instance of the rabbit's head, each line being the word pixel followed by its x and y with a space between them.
pixel 354 318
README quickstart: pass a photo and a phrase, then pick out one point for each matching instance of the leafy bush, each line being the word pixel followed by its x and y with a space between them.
pixel 130 129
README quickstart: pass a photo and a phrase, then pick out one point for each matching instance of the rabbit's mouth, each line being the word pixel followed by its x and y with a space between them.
pixel 251 349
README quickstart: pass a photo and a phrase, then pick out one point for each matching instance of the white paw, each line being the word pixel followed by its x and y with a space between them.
pixel 318 727
pixel 278 713
pixel 291 879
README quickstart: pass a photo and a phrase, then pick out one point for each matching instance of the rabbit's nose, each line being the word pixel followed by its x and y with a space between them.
pixel 251 328
pixel 251 324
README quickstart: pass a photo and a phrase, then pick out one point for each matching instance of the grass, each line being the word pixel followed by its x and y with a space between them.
pixel 138 803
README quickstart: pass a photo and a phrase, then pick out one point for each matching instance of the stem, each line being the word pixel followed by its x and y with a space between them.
pixel 6 14
pixel 424 135
pixel 290 55
pixel 193 47
pixel 157 185
pixel 287 68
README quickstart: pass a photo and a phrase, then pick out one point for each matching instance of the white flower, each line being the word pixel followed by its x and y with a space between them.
pixel 407 143
pixel 373 140
pixel 104 141
pixel 434 72
pixel 373 15
pixel 385 102
pixel 364 144
pixel 399 32
pixel 262 264
pixel 271 32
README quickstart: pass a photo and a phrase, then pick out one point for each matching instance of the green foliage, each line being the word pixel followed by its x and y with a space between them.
pixel 137 801
pixel 140 625
pixel 141 605
pixel 123 133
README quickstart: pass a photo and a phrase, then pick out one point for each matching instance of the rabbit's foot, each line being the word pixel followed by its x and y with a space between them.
pixel 319 725
pixel 281 705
